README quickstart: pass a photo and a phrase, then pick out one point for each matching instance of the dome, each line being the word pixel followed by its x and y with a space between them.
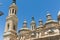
pixel 24 28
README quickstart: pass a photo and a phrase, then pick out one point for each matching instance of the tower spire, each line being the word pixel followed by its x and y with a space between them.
pixel 33 24
pixel 14 1
pixel 25 24
pixel 49 16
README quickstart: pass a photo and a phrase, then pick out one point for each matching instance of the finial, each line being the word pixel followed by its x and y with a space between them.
pixel 32 17
pixel 14 1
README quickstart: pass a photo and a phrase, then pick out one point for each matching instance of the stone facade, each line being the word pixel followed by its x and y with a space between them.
pixel 48 31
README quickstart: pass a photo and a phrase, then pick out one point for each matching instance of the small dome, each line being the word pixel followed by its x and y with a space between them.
pixel 40 20
pixel 25 21
pixel 13 6
pixel 58 13
pixel 48 14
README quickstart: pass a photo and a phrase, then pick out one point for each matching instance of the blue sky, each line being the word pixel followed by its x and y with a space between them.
pixel 27 9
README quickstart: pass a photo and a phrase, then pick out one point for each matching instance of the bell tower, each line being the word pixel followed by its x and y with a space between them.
pixel 10 32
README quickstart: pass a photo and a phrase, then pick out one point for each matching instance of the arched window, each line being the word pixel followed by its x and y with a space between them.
pixel 15 11
pixel 14 27
pixel 8 26
pixel 12 10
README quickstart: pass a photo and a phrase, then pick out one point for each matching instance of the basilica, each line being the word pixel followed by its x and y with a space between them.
pixel 48 31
